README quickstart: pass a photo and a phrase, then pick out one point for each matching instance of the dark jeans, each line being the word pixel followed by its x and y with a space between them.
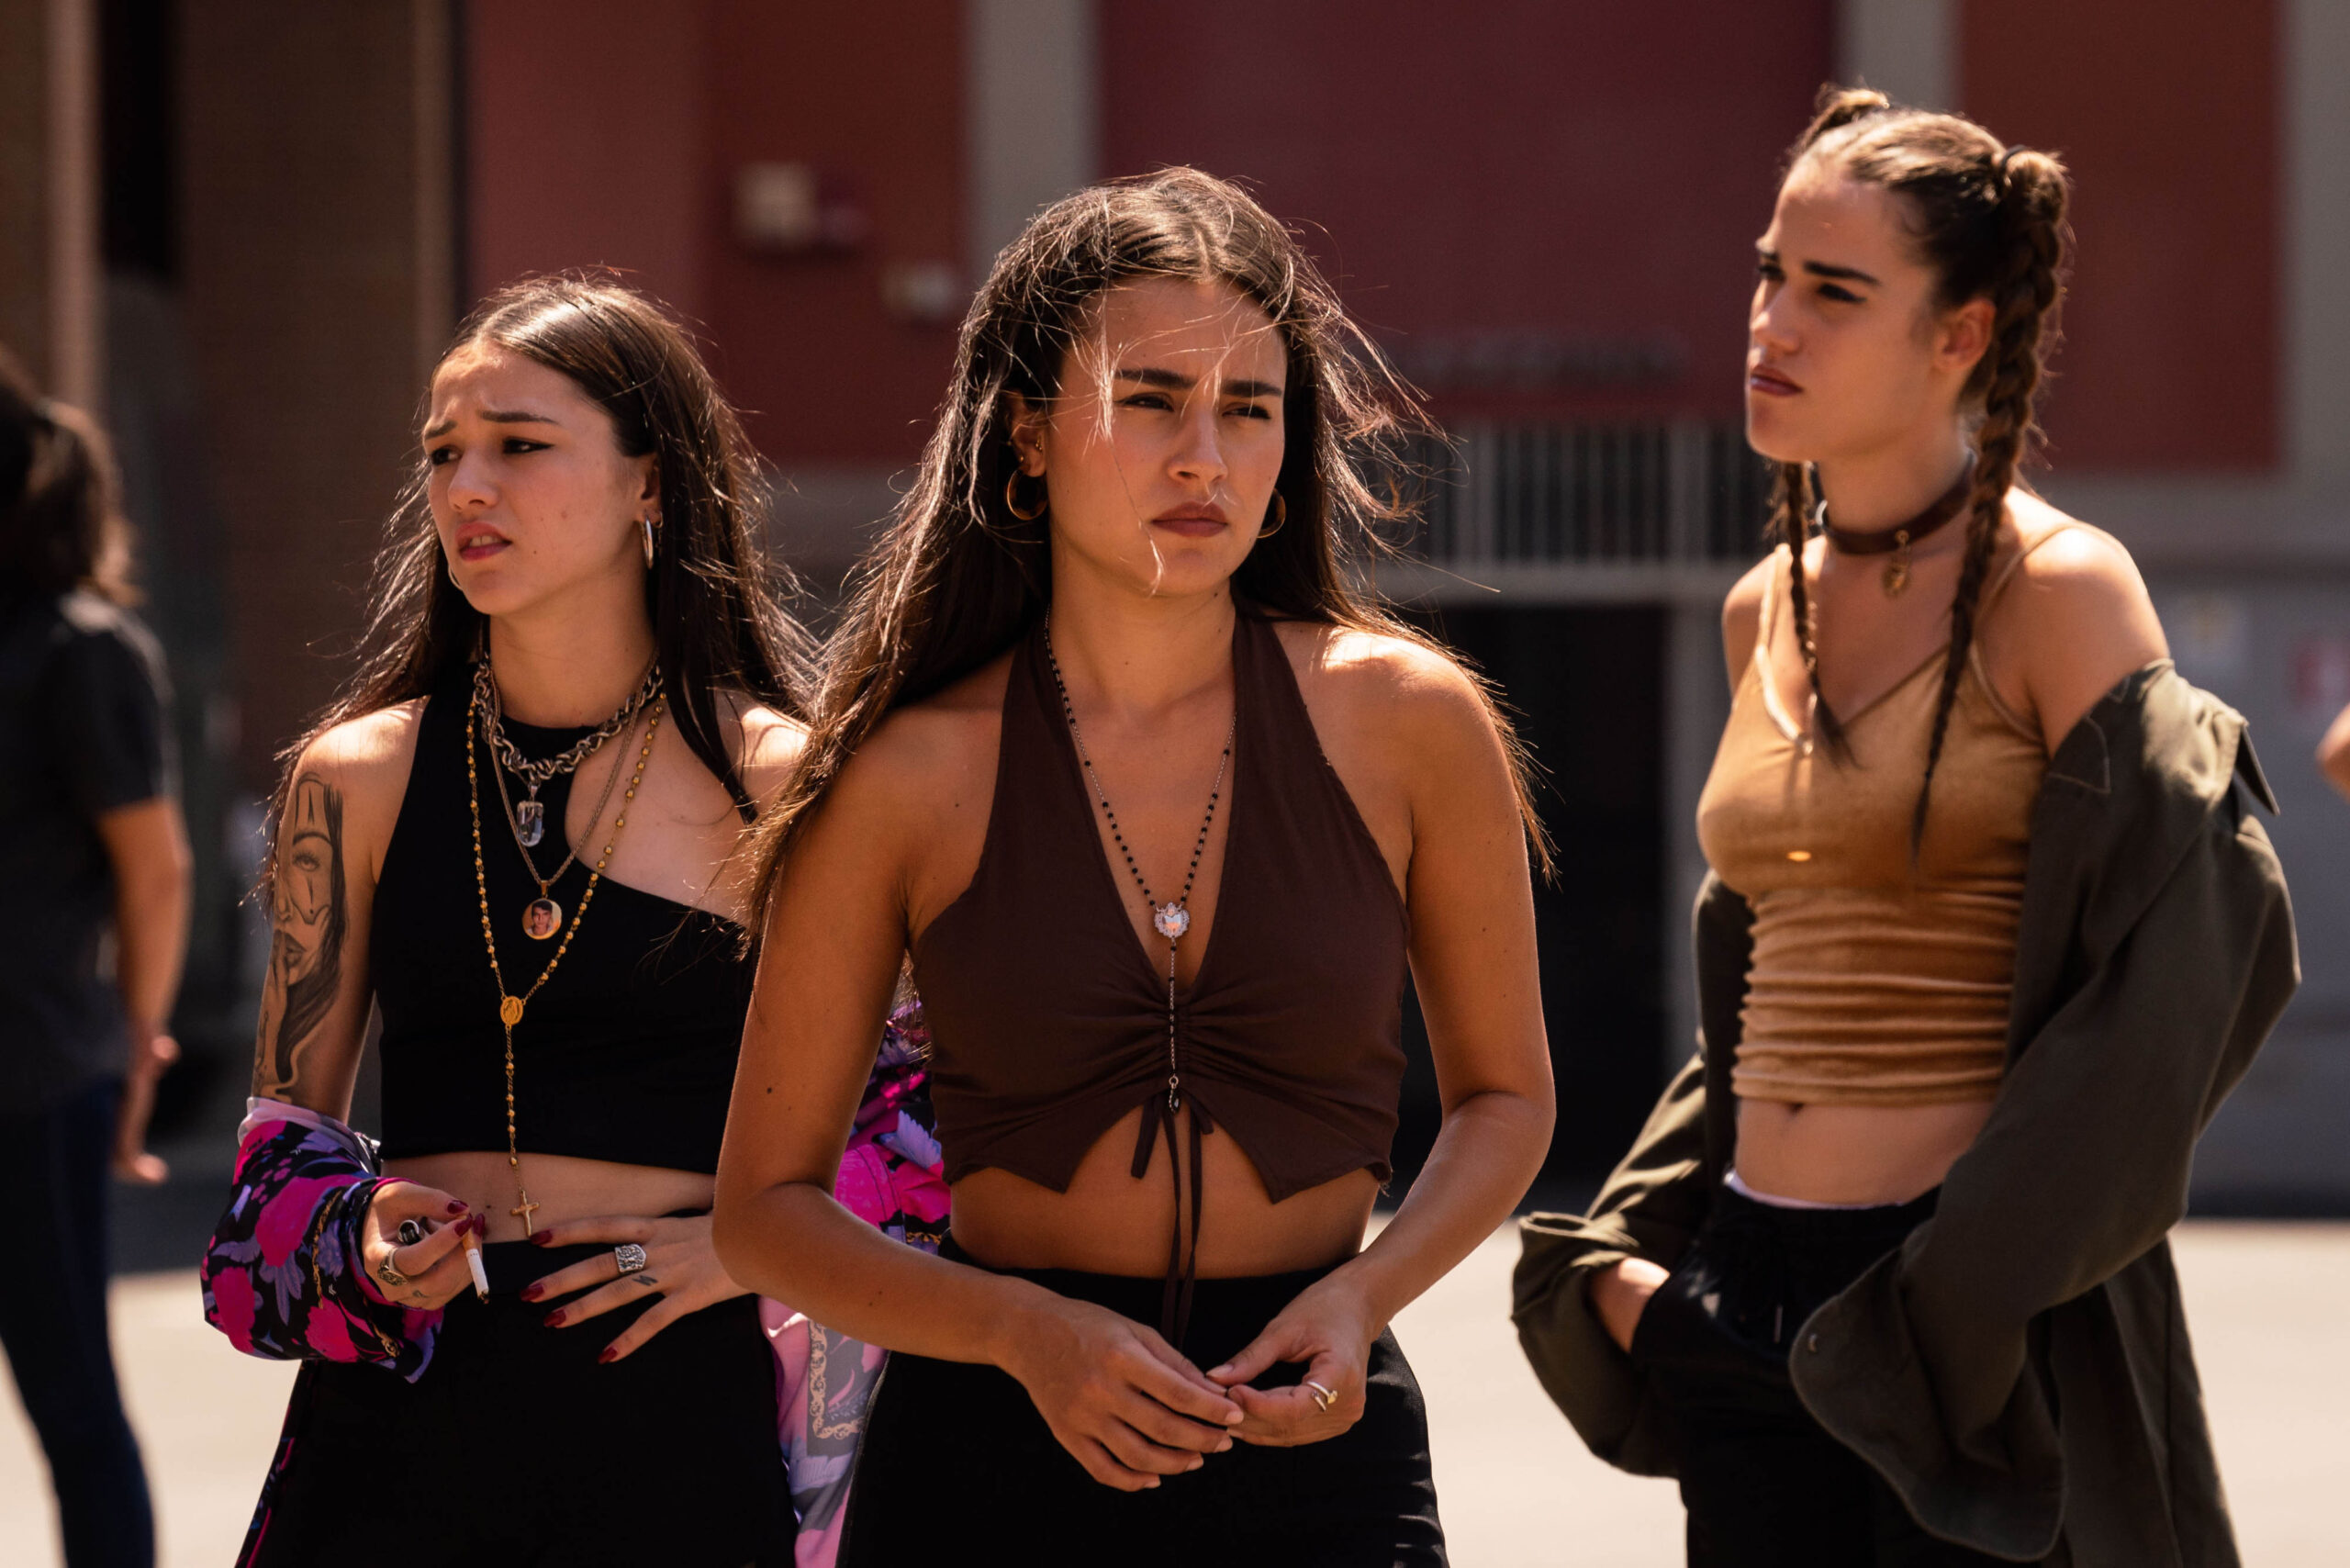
pixel 1764 1483
pixel 54 1167
pixel 958 1466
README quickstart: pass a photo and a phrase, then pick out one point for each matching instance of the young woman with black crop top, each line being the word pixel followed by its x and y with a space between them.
pixel 515 836
pixel 1161 810
pixel 1926 636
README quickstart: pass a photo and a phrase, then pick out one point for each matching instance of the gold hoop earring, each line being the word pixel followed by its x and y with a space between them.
pixel 1281 516
pixel 645 523
pixel 1012 498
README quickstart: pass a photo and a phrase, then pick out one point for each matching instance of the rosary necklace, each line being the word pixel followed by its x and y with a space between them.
pixel 528 816
pixel 1169 920
pixel 509 1006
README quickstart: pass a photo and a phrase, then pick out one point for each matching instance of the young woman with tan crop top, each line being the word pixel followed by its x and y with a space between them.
pixel 1161 811
pixel 1903 665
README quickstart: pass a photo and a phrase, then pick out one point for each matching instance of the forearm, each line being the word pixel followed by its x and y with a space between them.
pixel 1489 1150
pixel 150 933
pixel 794 1242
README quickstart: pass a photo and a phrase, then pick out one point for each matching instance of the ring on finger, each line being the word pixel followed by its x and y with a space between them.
pixel 630 1256
pixel 410 1233
pixel 1324 1397
pixel 389 1275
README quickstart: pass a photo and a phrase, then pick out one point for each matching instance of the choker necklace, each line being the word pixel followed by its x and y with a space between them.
pixel 1169 920
pixel 1877 541
pixel 527 815
pixel 509 1006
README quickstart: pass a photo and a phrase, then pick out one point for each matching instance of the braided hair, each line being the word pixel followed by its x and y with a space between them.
pixel 1989 219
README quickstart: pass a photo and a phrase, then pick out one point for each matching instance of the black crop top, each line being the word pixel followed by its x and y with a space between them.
pixel 627 1054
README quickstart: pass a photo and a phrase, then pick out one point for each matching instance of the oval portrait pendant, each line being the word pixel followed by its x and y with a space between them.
pixel 542 918
pixel 1172 920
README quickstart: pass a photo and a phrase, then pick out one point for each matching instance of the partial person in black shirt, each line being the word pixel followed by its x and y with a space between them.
pixel 93 859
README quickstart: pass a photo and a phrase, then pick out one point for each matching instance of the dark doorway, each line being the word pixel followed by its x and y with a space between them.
pixel 1585 687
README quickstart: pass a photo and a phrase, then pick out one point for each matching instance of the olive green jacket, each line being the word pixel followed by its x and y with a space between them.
pixel 2019 1369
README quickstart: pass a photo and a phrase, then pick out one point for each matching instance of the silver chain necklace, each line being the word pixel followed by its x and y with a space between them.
pixel 1169 920
pixel 528 816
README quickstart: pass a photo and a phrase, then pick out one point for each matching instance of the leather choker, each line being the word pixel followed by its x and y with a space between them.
pixel 1896 541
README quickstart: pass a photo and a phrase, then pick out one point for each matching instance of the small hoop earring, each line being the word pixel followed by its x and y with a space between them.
pixel 647 523
pixel 1281 516
pixel 1012 498
pixel 451 568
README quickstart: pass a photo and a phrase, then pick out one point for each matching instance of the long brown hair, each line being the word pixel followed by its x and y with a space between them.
pixel 1989 221
pixel 715 597
pixel 959 577
pixel 60 516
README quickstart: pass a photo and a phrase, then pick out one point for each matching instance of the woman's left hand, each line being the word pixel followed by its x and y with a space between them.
pixel 1329 1327
pixel 680 1266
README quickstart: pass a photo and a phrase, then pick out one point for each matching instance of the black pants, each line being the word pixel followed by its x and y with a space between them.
pixel 958 1466
pixel 1764 1483
pixel 54 1167
pixel 516 1446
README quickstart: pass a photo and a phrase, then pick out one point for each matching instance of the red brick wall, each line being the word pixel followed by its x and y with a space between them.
pixel 585 143
pixel 1585 172
pixel 2168 112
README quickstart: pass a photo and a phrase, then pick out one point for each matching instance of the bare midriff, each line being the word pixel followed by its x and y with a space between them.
pixel 1853 1154
pixel 562 1188
pixel 1108 1223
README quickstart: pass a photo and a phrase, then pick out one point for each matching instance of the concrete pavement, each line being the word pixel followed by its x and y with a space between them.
pixel 1517 1490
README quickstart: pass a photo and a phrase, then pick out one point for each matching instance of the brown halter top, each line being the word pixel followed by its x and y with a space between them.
pixel 1048 1018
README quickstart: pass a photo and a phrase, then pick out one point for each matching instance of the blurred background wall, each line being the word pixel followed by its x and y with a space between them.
pixel 244 230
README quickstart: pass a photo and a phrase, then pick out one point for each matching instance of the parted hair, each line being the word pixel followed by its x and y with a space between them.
pixel 959 577
pixel 1989 221
pixel 715 595
pixel 61 515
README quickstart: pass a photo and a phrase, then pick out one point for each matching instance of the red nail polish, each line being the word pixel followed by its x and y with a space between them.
pixel 608 1354
pixel 553 1319
pixel 532 1292
pixel 456 1208
pixel 540 1237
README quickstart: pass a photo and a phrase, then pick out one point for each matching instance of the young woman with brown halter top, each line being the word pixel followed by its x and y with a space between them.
pixel 1926 636
pixel 1161 810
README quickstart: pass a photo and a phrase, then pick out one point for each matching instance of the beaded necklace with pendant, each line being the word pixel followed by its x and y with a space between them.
pixel 1173 919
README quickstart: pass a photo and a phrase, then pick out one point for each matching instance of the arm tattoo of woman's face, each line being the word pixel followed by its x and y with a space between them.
pixel 308 915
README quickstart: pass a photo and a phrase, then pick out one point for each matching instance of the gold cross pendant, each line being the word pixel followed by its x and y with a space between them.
pixel 523 1210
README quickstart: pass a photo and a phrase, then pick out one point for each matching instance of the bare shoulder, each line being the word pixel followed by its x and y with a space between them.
pixel 935 752
pixel 368 759
pixel 1413 691
pixel 2078 615
pixel 1742 612
pixel 2078 591
pixel 765 741
pixel 353 778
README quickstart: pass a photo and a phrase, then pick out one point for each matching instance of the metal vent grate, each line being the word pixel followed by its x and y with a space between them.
pixel 1591 494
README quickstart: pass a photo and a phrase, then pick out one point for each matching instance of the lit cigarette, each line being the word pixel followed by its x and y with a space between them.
pixel 473 1260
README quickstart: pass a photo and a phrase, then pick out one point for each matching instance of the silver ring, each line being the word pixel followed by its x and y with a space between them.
pixel 1322 1396
pixel 389 1275
pixel 630 1256
pixel 410 1233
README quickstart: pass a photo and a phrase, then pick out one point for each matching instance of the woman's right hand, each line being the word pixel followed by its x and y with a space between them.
pixel 434 1267
pixel 1120 1398
pixel 1620 1293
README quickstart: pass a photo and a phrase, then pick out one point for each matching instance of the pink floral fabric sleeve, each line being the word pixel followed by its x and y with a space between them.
pixel 893 1177
pixel 281 1275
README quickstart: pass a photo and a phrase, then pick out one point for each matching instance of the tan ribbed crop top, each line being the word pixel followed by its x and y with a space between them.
pixel 1875 981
